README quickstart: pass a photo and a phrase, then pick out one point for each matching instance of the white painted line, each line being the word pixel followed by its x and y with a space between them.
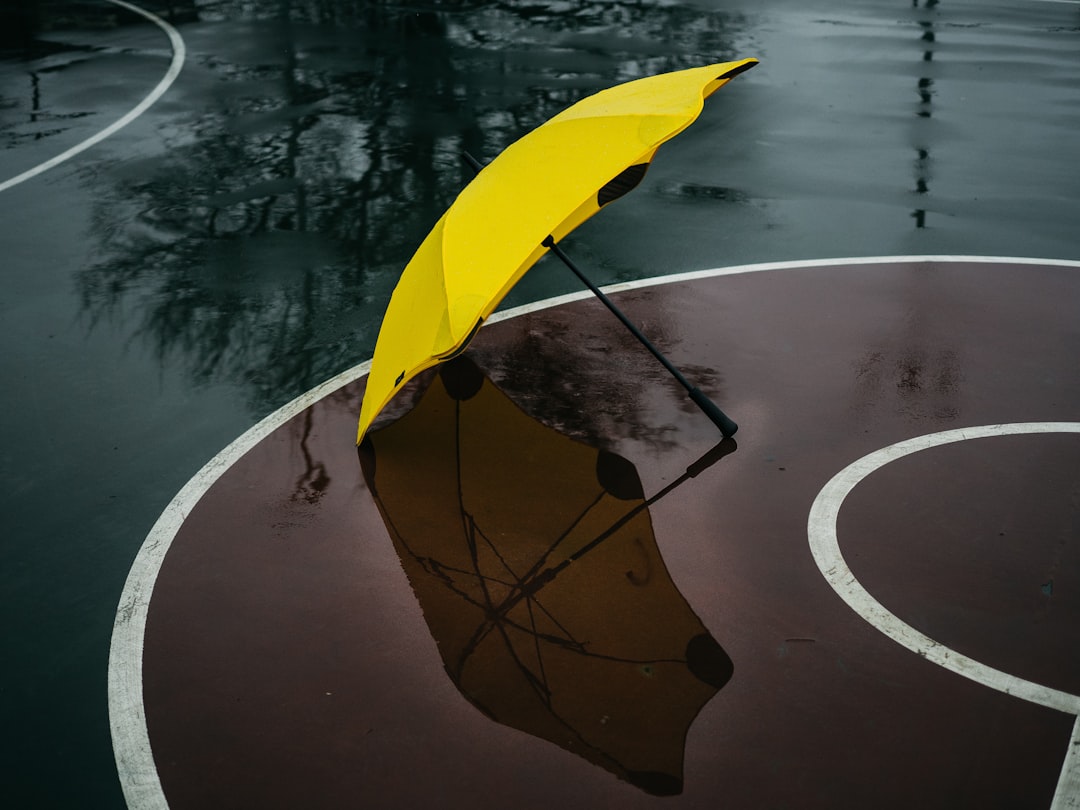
pixel 741 269
pixel 170 76
pixel 821 531
pixel 127 714
pixel 1067 795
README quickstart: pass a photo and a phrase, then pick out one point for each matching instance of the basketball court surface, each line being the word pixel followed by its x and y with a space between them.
pixel 899 450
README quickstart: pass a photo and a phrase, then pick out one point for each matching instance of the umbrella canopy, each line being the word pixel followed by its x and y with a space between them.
pixel 534 559
pixel 545 184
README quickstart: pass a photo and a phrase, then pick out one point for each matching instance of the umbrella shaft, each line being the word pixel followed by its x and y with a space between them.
pixel 719 418
pixel 551 244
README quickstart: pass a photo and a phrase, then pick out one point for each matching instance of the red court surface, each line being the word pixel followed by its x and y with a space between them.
pixel 287 661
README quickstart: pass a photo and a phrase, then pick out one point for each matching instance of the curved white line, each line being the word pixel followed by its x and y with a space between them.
pixel 1067 794
pixel 127 715
pixel 177 62
pixel 821 530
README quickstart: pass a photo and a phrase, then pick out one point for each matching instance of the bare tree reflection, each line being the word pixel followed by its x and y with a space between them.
pixel 925 89
pixel 19 22
pixel 258 247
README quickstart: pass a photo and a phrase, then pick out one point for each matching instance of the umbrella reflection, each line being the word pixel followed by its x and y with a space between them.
pixel 534 560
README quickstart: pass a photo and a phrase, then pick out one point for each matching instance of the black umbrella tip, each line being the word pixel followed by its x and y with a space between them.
pixel 735 71
pixel 471 162
pixel 708 662
pixel 366 453
pixel 618 476
pixel 656 782
pixel 462 378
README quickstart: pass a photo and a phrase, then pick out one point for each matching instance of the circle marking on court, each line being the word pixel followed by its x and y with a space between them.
pixel 825 546
pixel 821 529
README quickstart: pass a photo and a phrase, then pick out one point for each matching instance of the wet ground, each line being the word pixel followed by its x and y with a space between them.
pixel 235 245
pixel 546 605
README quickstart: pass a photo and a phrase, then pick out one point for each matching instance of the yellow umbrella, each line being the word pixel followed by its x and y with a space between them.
pixel 537 191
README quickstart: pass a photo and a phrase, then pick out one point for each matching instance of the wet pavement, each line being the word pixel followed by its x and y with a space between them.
pixel 235 245
pixel 613 607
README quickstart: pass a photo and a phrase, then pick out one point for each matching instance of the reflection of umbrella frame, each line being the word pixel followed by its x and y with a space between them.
pixel 534 560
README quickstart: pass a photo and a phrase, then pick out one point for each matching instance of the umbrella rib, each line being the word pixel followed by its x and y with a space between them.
pixel 473 528
pixel 502 560
pixel 468 522
pixel 431 565
pixel 468 573
pixel 568 637
pixel 538 685
pixel 530 575
pixel 499 615
pixel 496 617
pixel 536 646
pixel 485 628
pixel 469 527
pixel 539 580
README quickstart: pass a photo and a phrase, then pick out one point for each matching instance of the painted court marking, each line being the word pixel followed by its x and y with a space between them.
pixel 179 53
pixel 127 713
pixel 821 530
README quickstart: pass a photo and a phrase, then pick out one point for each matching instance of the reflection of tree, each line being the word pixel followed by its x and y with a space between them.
pixel 925 89
pixel 19 22
pixel 33 43
pixel 255 248
pixel 915 374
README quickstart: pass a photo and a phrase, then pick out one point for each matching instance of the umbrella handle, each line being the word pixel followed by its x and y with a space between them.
pixel 710 409
pixel 707 406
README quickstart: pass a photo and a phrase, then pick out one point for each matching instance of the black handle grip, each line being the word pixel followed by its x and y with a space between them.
pixel 718 417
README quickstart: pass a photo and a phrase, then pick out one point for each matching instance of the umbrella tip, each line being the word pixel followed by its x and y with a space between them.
pixel 708 662
pixel 618 476
pixel 741 67
pixel 461 377
pixel 366 452
pixel 656 782
pixel 471 162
